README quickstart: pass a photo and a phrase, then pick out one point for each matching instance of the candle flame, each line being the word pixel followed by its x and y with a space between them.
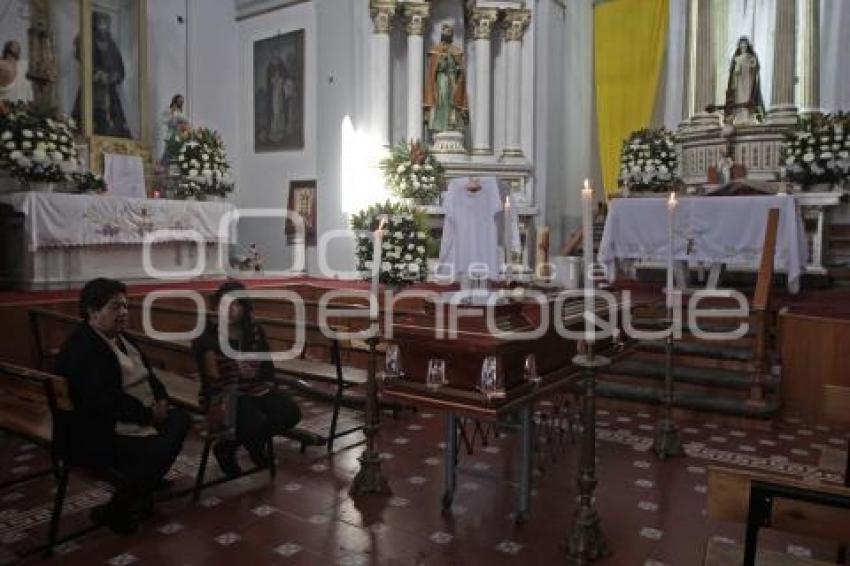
pixel 586 184
pixel 672 202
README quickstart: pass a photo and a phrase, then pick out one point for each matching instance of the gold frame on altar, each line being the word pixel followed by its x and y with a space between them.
pixel 98 145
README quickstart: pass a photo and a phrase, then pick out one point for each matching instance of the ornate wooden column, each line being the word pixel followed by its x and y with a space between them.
pixel 782 108
pixel 705 75
pixel 483 20
pixel 415 14
pixel 382 12
pixel 516 22
pixel 809 73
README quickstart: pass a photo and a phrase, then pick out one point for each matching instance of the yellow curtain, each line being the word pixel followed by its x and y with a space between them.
pixel 630 38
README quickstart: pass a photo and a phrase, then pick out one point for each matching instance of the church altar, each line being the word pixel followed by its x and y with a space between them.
pixel 62 240
pixel 708 230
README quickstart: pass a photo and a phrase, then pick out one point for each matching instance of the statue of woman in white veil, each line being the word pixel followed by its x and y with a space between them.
pixel 743 90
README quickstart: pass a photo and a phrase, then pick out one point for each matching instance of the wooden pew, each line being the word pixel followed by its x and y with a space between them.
pixel 758 499
pixel 174 363
pixel 296 372
pixel 29 401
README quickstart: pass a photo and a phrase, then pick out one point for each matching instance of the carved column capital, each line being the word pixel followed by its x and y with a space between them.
pixel 415 15
pixel 483 20
pixel 382 12
pixel 516 21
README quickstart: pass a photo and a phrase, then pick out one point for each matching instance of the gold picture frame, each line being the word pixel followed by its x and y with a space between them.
pixel 125 21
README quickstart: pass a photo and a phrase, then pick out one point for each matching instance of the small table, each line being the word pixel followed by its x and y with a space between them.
pixel 710 230
pixel 457 402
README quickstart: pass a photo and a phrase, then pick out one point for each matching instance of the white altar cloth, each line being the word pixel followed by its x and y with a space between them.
pixel 728 230
pixel 62 220
pixel 64 240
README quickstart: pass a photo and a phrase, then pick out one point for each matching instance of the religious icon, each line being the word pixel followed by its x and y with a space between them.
pixel 279 92
pixel 302 201
pixel 108 74
pixel 743 89
pixel 445 99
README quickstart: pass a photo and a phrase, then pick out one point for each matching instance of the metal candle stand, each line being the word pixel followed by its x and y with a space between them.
pixel 586 543
pixel 667 442
pixel 369 478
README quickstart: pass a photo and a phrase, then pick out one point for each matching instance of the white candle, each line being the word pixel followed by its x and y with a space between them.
pixel 587 245
pixel 508 235
pixel 377 253
pixel 671 208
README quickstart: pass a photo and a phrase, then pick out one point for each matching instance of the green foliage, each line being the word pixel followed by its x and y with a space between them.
pixel 411 171
pixel 818 150
pixel 648 161
pixel 404 245
pixel 36 143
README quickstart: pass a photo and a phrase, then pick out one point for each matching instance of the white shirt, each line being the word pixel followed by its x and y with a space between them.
pixel 470 234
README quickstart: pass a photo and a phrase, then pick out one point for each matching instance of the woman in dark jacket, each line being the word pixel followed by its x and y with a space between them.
pixel 121 420
pixel 241 394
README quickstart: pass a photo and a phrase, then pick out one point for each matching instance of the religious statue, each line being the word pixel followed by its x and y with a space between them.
pixel 743 90
pixel 445 98
pixel 174 121
pixel 107 76
pixel 14 84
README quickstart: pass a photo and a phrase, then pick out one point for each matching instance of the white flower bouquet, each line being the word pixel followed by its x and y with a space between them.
pixel 818 151
pixel 404 245
pixel 36 145
pixel 199 158
pixel 648 161
pixel 411 171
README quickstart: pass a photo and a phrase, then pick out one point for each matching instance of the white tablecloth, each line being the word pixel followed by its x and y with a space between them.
pixel 65 220
pixel 726 230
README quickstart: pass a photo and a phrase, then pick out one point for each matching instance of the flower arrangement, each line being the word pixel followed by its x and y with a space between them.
pixel 200 164
pixel 36 143
pixel 411 171
pixel 818 151
pixel 404 246
pixel 88 182
pixel 648 160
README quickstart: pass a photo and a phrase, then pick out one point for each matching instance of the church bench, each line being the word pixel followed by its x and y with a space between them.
pixel 758 499
pixel 174 363
pixel 295 372
pixel 29 402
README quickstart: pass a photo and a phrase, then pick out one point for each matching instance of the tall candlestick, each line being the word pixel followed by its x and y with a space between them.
pixel 508 235
pixel 671 208
pixel 587 246
pixel 377 253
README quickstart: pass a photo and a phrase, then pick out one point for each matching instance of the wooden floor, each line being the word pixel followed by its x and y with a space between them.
pixel 652 512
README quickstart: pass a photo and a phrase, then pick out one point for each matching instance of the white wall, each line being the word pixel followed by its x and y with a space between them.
pixel 263 178
pixel 14 23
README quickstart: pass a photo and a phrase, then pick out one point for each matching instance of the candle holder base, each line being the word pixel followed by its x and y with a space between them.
pixel 369 478
pixel 587 542
pixel 667 443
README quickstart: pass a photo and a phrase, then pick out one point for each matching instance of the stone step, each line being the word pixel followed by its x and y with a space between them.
pixel 710 377
pixel 700 349
pixel 700 402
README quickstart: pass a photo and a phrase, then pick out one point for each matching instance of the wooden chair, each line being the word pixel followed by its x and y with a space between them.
pixel 758 500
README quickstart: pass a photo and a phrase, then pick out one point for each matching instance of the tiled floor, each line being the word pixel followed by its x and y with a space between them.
pixel 652 512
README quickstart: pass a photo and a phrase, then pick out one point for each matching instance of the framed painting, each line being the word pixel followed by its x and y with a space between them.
pixel 302 201
pixel 279 92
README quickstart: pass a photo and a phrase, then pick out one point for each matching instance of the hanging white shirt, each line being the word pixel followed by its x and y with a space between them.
pixel 470 234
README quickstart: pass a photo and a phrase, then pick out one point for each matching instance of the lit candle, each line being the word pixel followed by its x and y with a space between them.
pixel 377 253
pixel 671 208
pixel 587 245
pixel 543 252
pixel 508 235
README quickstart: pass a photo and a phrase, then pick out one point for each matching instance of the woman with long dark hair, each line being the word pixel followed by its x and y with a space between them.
pixel 240 396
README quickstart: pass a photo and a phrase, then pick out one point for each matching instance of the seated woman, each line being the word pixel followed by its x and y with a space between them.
pixel 238 393
pixel 121 420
